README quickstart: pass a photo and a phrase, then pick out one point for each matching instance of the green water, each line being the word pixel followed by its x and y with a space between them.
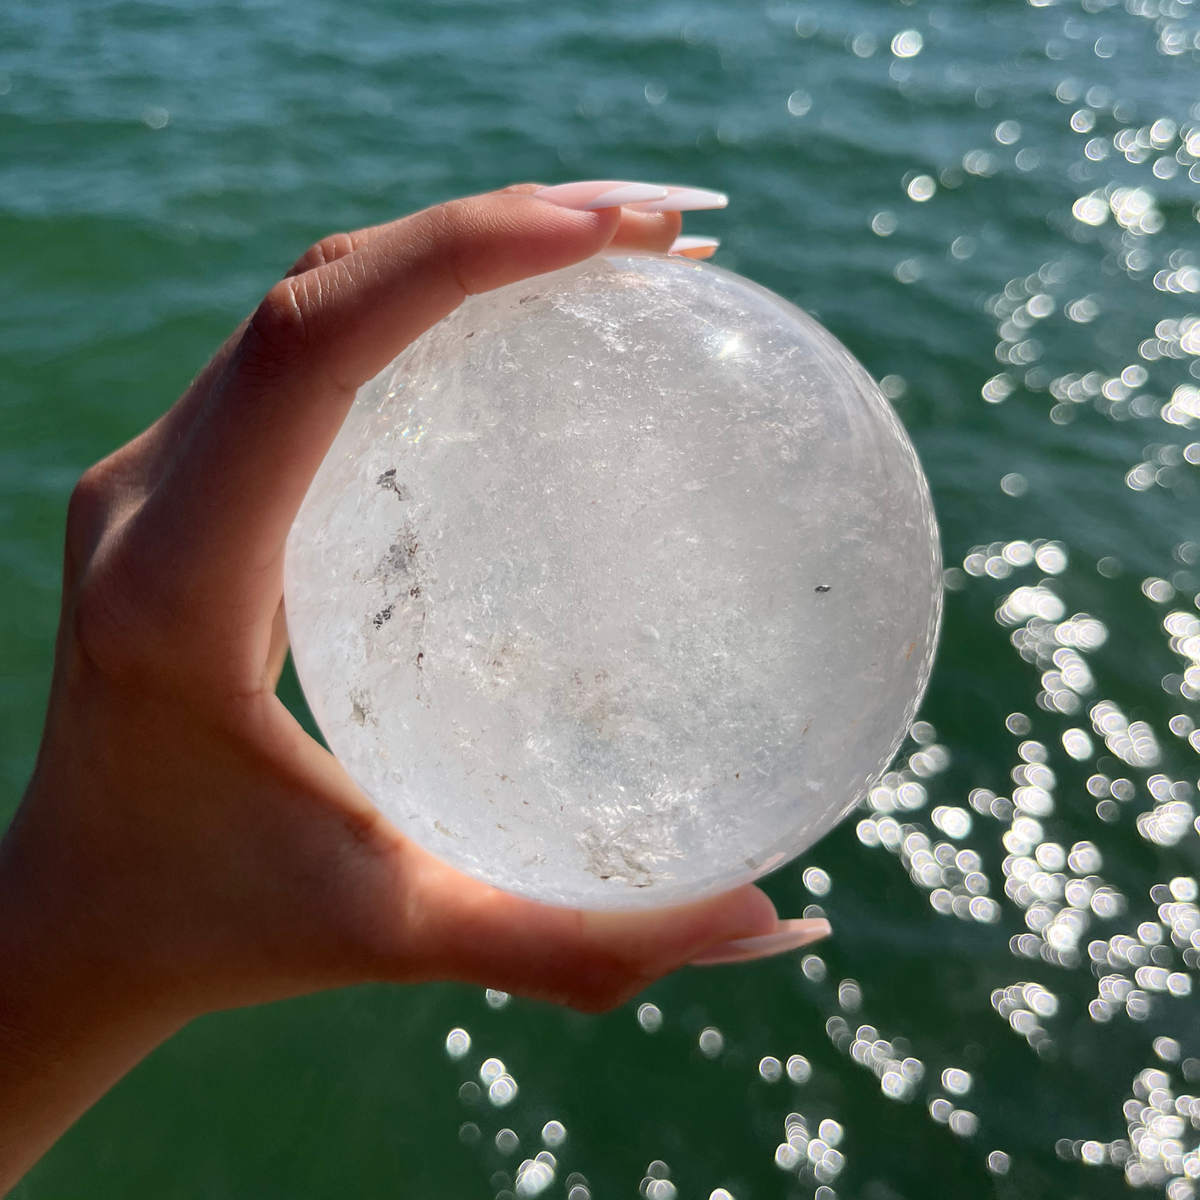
pixel 162 163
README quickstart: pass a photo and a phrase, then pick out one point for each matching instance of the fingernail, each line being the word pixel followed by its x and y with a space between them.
pixel 681 199
pixel 694 247
pixel 600 193
pixel 788 935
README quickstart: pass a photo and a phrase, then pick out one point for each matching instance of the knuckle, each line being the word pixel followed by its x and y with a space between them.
pixel 457 235
pixel 277 334
pixel 454 215
pixel 602 1001
pixel 617 994
pixel 133 618
pixel 328 249
pixel 87 515
pixel 455 224
pixel 601 986
pixel 125 605
pixel 105 596
pixel 108 613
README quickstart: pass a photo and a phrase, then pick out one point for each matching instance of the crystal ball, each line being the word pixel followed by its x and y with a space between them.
pixel 619 586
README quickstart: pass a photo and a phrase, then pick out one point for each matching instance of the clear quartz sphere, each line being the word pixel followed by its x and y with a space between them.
pixel 619 586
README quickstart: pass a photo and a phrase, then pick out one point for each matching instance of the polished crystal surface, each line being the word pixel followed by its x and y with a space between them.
pixel 619 586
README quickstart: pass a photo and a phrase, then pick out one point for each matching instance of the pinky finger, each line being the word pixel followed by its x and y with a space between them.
pixel 694 247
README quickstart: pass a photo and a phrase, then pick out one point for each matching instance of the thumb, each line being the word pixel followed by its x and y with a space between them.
pixel 462 929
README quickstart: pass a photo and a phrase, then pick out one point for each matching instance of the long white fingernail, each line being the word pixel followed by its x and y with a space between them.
pixel 682 199
pixel 788 935
pixel 694 247
pixel 592 194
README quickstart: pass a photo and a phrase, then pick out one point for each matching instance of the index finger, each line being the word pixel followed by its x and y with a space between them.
pixel 637 230
pixel 213 533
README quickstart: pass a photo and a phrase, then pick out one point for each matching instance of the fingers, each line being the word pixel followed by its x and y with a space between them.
pixel 642 227
pixel 458 928
pixel 330 249
pixel 251 450
pixel 233 460
pixel 639 229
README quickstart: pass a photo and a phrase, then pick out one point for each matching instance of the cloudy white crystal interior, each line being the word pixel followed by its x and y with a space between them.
pixel 619 586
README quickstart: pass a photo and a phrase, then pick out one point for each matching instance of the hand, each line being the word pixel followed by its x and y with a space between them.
pixel 184 846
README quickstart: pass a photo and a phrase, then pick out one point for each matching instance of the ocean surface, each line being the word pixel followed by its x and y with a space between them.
pixel 993 206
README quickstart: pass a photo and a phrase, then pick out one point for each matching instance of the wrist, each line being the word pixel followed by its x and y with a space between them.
pixel 73 1019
